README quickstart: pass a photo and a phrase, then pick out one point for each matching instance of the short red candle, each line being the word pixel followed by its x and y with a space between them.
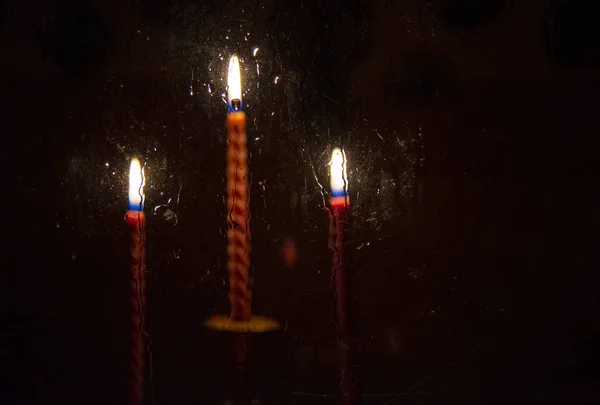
pixel 338 220
pixel 136 223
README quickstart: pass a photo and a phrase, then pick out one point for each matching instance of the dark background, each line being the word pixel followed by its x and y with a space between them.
pixel 471 134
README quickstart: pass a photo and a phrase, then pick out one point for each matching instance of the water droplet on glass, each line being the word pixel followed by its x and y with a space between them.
pixel 254 51
pixel 276 79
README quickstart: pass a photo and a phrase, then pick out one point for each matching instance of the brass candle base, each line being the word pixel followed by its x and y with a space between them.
pixel 241 332
pixel 256 324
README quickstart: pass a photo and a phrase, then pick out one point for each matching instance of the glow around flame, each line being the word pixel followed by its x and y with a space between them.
pixel 136 185
pixel 338 178
pixel 234 82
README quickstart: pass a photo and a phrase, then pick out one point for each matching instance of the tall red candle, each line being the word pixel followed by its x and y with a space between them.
pixel 238 229
pixel 240 320
pixel 136 222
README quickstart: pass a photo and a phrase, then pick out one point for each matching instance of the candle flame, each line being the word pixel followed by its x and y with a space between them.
pixel 234 85
pixel 136 185
pixel 338 178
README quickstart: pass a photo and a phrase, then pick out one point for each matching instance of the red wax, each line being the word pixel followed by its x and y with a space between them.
pixel 136 222
pixel 340 202
pixel 238 232
pixel 337 229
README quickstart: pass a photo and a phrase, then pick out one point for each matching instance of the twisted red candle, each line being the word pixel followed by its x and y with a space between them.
pixel 337 221
pixel 338 218
pixel 238 232
pixel 238 227
pixel 136 223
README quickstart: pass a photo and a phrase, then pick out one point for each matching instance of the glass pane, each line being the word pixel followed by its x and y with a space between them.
pixel 348 202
